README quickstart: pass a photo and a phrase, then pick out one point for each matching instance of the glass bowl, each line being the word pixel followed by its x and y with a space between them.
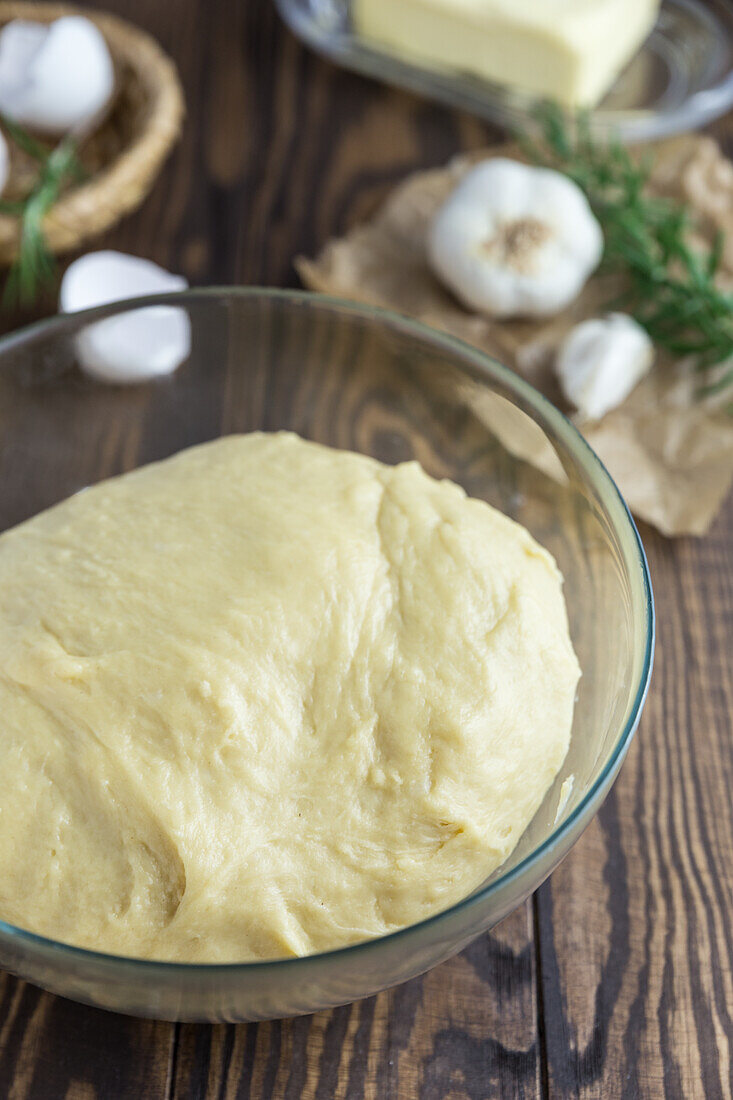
pixel 370 381
pixel 680 79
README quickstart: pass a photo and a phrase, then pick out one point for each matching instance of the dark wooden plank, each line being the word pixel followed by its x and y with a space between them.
pixel 466 1029
pixel 51 1047
pixel 635 942
pixel 635 937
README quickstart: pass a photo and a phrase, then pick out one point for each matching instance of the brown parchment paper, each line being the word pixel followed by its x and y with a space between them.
pixel 670 453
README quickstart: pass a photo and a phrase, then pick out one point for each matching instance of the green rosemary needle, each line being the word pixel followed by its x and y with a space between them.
pixel 34 265
pixel 671 288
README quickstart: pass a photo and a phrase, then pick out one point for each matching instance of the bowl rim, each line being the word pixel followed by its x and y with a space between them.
pixel 483 367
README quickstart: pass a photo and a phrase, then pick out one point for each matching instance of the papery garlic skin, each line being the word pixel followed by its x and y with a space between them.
pixel 131 347
pixel 601 361
pixel 512 240
pixel 54 77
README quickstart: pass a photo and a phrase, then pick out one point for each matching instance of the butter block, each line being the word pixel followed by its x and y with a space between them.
pixel 567 50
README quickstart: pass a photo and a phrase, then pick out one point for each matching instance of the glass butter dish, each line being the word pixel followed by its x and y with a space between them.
pixel 681 78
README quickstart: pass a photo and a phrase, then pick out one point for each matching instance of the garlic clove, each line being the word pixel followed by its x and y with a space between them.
pixel 145 343
pixel 512 240
pixel 54 76
pixel 601 361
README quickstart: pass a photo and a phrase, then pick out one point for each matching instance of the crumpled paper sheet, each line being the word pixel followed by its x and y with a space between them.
pixel 670 453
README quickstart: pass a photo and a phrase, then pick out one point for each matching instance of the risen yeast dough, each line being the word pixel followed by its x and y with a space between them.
pixel 267 698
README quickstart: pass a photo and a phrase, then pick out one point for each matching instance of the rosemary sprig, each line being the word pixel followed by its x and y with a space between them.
pixel 34 265
pixel 671 287
pixel 23 139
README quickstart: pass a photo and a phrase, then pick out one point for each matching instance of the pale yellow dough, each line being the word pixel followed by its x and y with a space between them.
pixel 267 698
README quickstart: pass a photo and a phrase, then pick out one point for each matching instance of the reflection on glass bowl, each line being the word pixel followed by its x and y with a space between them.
pixel 368 381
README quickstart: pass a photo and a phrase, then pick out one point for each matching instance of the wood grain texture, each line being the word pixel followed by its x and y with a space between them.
pixel 467 1028
pixel 51 1047
pixel 616 981
pixel 635 938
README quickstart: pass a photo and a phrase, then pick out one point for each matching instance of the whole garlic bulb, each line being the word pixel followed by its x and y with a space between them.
pixel 601 361
pixel 54 76
pixel 515 241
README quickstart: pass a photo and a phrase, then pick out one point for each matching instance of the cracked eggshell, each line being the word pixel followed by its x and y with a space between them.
pixel 56 76
pixel 513 240
pixel 145 343
pixel 601 361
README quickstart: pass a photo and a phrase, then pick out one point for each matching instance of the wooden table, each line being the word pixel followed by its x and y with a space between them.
pixel 616 979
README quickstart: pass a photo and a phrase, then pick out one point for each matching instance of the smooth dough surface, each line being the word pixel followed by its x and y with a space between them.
pixel 267 698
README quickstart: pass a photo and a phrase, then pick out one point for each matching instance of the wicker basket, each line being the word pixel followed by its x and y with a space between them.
pixel 123 156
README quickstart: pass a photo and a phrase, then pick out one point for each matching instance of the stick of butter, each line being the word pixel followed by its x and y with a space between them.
pixel 567 50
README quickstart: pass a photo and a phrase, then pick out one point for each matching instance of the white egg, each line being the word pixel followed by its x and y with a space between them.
pixel 135 346
pixel 55 76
